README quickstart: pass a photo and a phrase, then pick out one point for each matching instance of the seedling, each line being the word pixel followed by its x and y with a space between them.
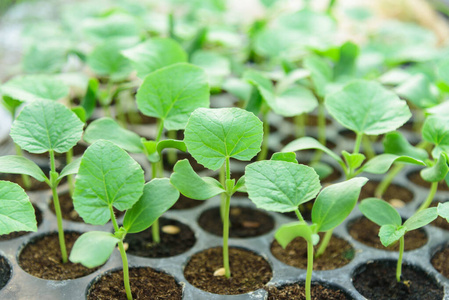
pixel 170 94
pixel 391 227
pixel 213 137
pixel 109 178
pixel 55 129
pixel 281 186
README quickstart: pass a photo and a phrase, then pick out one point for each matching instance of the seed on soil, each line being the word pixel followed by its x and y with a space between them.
pixel 397 203
pixel 171 229
pixel 220 272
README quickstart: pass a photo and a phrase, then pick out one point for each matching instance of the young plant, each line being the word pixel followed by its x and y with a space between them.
pixel 109 178
pixel 169 94
pixel 213 137
pixel 282 186
pixel 391 227
pixel 16 211
pixel 45 126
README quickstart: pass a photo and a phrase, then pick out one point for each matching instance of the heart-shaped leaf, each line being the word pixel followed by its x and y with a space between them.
pixel 395 143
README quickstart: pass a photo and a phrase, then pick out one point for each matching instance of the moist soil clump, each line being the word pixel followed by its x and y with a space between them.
pixel 416 179
pixel 338 253
pixel 245 222
pixel 42 258
pixel 17 234
pixel 366 232
pixel 5 272
pixel 377 280
pixel 439 261
pixel 249 271
pixel 146 284
pixel 298 292
pixel 172 242
pixel 186 203
pixel 396 195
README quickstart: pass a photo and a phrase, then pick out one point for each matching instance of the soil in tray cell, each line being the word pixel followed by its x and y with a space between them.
pixel 338 253
pixel 312 120
pixel 439 261
pixel 17 234
pixel 245 222
pixel 366 232
pixel 395 194
pixel 377 280
pixel 249 271
pixel 416 179
pixel 186 203
pixel 42 258
pixel 176 238
pixel 146 284
pixel 5 272
pixel 297 291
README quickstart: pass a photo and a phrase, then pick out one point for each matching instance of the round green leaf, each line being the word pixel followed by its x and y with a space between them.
pixel 106 60
pixel 367 107
pixel 46 125
pixel 212 135
pixel 279 185
pixel 380 212
pixel 294 101
pixel 107 177
pixel 390 233
pixel 173 93
pixel 92 249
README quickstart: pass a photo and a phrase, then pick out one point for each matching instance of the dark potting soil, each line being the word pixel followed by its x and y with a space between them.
pixel 415 177
pixel 249 271
pixel 311 120
pixel 338 253
pixel 42 258
pixel 395 194
pixel 17 234
pixel 351 135
pixel 141 244
pixel 366 232
pixel 377 281
pixel 146 284
pixel 5 272
pixel 78 150
pixel 244 222
pixel 17 178
pixel 186 203
pixel 297 291
pixel 439 261
pixel 137 118
pixel 182 155
pixel 69 212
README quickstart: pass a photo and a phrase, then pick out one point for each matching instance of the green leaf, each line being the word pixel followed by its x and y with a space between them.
pixel 306 143
pixel 443 71
pixel 214 134
pixel 381 163
pixel 421 218
pixel 117 26
pixel 263 84
pixel 285 156
pixel 367 107
pixel 90 98
pixel 92 249
pixel 395 143
pixel 336 202
pixel 106 60
pixel 16 211
pixel 191 185
pixel 443 210
pixel 353 160
pixel 110 130
pixel 322 169
pixel 435 130
pixel 437 172
pixel 321 73
pixel 10 104
pixel 107 177
pixel 173 144
pixel 158 196
pixel 217 66
pixel 239 88
pixel 347 62
pixel 380 212
pixel 154 54
pixel 34 87
pixel 46 125
pixel 173 93
pixel 279 185
pixel 294 101
pixel 390 233
pixel 13 164
pixel 418 90
pixel 44 58
pixel 80 112
pixel 71 168
pixel 240 186
pixel 288 232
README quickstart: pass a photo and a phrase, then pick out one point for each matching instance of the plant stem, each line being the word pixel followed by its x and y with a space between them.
pixel 298 214
pixel 25 178
pixel 70 179
pixel 53 186
pixel 323 245
pixel 368 147
pixel 433 190
pixel 155 226
pixel 222 178
pixel 300 122
pixel 386 181
pixel 321 130
pixel 226 224
pixel 160 129
pixel 172 156
pixel 330 6
pixel 124 257
pixel 358 141
pixel 266 134
pixel 399 265
pixel 309 270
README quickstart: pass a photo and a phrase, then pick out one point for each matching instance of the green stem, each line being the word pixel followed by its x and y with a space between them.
pixel 399 265
pixel 309 270
pixel 298 214
pixel 368 147
pixel 70 178
pixel 386 181
pixel 300 122
pixel 155 226
pixel 120 112
pixel 226 224
pixel 160 129
pixel 222 178
pixel 330 6
pixel 266 134
pixel 25 178
pixel 433 190
pixel 321 124
pixel 325 241
pixel 358 141
pixel 53 186
pixel 172 156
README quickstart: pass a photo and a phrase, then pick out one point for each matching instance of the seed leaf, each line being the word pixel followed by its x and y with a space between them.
pixel 390 233
pixel 380 212
pixel 437 172
pixel 214 134
pixel 395 143
pixel 71 168
pixel 217 66
pixel 46 125
pixel 16 211
pixel 285 156
pixel 107 177
pixel 381 163
pixel 173 93
pixel 279 185
pixel 92 249
pixel 354 160
pixel 288 232
pixel 336 202
pixel 320 72
pixel 367 107
pixel 418 90
pixel 13 164
pixel 435 130
pixel 294 101
pixel 421 218
pixel 443 210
